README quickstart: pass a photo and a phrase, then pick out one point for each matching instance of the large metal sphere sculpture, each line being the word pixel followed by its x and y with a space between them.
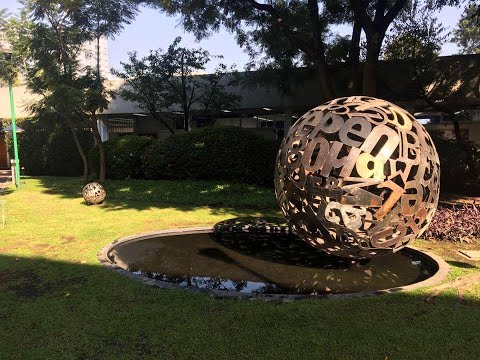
pixel 94 193
pixel 357 176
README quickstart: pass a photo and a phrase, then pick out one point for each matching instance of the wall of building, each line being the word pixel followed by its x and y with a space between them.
pixel 22 98
pixel 148 126
pixel 471 130
pixel 3 153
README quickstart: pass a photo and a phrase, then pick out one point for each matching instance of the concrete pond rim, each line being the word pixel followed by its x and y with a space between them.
pixel 103 257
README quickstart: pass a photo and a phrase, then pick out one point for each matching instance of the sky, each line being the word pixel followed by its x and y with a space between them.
pixel 152 30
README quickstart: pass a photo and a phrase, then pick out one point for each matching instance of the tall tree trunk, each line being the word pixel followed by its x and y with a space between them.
pixel 354 56
pixel 186 121
pixel 81 152
pixel 319 50
pixel 370 68
pixel 385 13
pixel 101 149
pixel 456 127
pixel 325 81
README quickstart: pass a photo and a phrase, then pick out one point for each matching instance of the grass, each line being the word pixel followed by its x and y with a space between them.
pixel 57 302
pixel 187 192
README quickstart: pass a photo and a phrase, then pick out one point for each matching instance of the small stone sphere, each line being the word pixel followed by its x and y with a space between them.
pixel 94 193
pixel 358 176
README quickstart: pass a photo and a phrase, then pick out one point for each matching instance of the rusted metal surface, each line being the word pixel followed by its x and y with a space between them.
pixel 94 193
pixel 357 176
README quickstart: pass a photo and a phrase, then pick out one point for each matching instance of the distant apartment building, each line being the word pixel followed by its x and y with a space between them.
pixel 88 56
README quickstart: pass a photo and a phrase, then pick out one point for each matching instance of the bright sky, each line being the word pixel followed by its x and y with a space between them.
pixel 152 30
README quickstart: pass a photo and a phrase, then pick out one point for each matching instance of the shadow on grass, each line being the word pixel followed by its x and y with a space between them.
pixel 6 191
pixel 181 195
pixel 460 264
pixel 56 310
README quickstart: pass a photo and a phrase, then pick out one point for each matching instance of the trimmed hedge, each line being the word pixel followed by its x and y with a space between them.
pixel 48 149
pixel 124 157
pixel 215 153
pixel 459 165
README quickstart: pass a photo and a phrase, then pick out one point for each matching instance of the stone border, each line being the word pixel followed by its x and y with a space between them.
pixel 102 256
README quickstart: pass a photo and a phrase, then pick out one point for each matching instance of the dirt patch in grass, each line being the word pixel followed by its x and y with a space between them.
pixel 68 239
pixel 460 284
pixel 13 246
pixel 43 248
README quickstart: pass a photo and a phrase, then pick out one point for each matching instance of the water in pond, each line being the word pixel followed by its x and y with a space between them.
pixel 264 264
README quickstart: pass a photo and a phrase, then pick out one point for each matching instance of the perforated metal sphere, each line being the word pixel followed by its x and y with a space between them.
pixel 357 176
pixel 94 193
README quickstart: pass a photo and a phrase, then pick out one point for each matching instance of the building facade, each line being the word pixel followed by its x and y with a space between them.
pixel 88 56
pixel 270 111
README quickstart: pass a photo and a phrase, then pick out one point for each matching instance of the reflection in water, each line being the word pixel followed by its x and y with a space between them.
pixel 263 262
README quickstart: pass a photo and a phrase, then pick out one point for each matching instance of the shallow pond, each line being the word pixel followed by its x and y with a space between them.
pixel 261 263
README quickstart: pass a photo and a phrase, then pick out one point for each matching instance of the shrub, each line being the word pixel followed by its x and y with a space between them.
pixel 124 157
pixel 31 149
pixel 46 148
pixel 62 157
pixel 216 153
pixel 459 165
pixel 455 224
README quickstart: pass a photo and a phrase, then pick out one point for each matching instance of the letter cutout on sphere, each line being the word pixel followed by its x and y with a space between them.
pixel 357 176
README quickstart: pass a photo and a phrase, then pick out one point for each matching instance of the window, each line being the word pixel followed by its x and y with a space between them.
pixel 120 125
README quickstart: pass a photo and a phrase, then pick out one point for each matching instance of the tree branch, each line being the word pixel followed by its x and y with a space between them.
pixel 316 26
pixel 361 16
pixel 393 12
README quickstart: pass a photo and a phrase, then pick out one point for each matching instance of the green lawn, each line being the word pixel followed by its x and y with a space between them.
pixel 57 302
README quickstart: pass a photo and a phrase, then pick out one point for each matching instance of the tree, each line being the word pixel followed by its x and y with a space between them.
pixel 104 18
pixel 8 66
pixel 297 31
pixel 467 33
pixel 97 19
pixel 47 48
pixel 4 15
pixel 59 29
pixel 170 81
pixel 416 39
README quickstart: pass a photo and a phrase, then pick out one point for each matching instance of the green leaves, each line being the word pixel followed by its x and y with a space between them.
pixel 172 80
pixel 213 153
pixel 467 33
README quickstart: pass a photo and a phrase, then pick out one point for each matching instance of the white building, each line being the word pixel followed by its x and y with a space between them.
pixel 88 56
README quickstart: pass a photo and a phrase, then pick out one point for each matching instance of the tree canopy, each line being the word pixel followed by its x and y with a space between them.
pixel 169 81
pixel 48 38
pixel 467 33
pixel 299 32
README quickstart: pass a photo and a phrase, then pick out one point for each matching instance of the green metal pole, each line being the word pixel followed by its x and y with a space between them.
pixel 14 136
